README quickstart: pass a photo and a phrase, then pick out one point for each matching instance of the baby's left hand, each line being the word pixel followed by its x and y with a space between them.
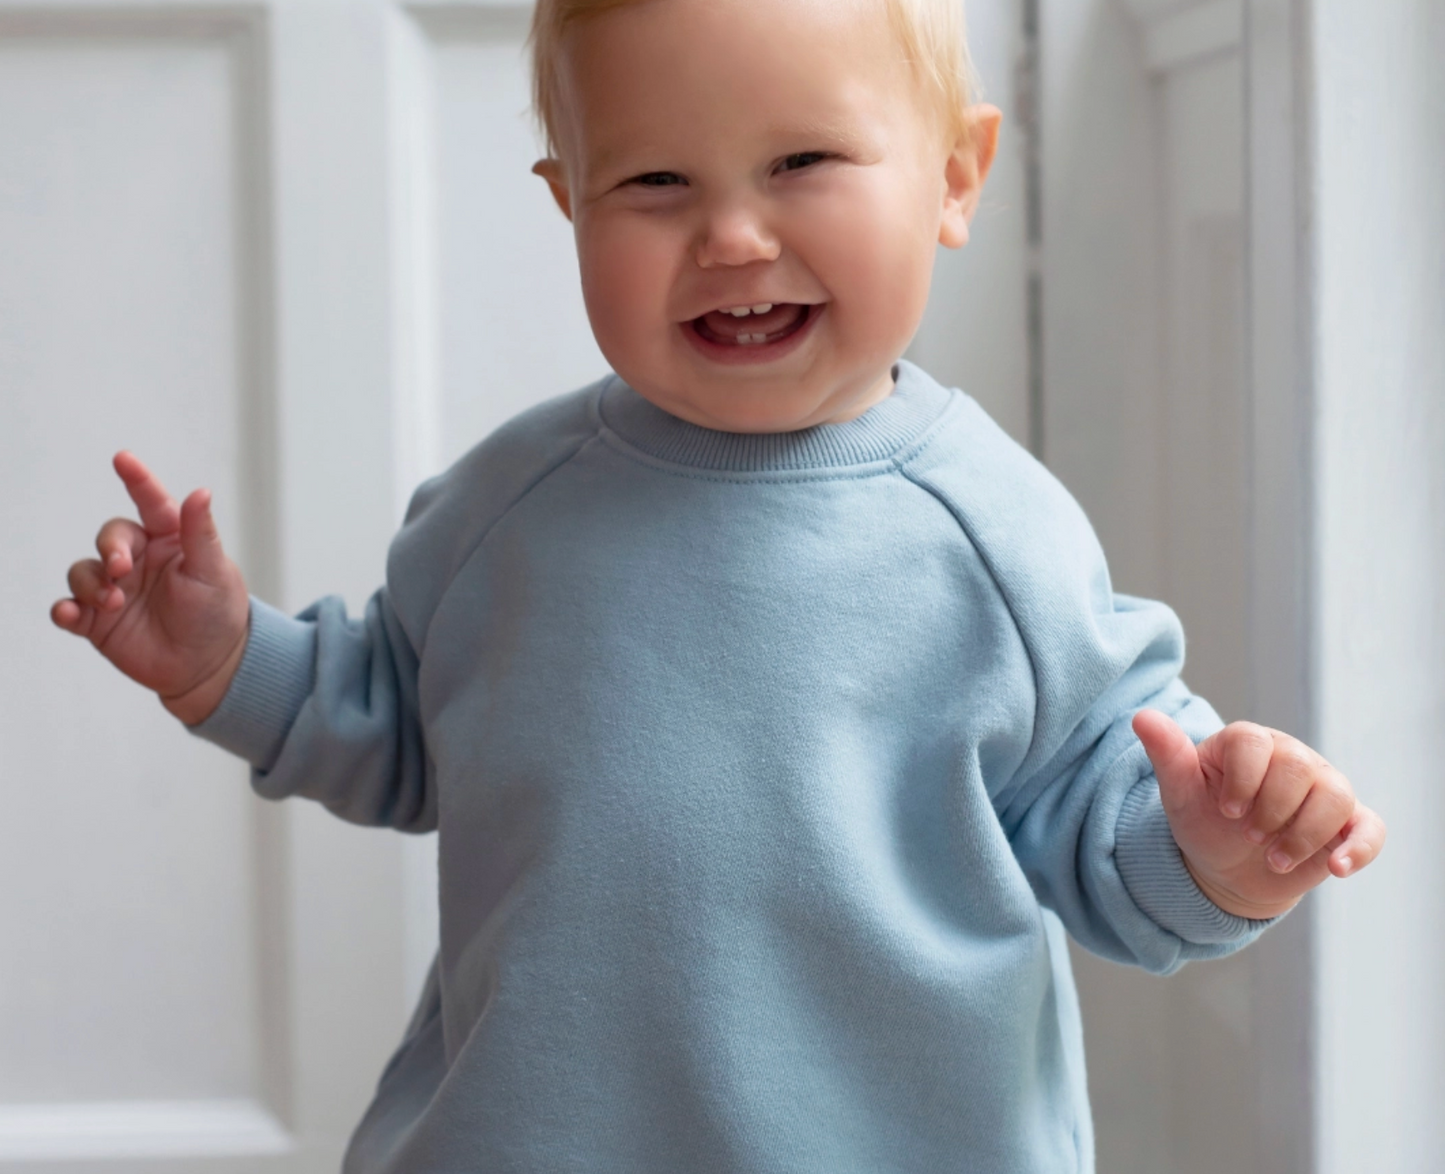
pixel 1260 817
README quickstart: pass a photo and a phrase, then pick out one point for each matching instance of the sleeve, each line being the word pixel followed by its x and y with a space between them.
pixel 1079 801
pixel 325 706
pixel 1083 814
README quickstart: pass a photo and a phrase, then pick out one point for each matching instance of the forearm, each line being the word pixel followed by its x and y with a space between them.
pixel 324 707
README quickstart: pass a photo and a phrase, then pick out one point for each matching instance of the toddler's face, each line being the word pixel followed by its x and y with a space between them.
pixel 757 188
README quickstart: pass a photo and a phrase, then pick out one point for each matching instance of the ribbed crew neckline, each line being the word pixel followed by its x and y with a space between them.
pixel 885 428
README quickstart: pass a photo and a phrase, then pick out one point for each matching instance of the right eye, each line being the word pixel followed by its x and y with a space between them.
pixel 658 179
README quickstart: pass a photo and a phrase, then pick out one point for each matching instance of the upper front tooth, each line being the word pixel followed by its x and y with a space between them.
pixel 738 312
pixel 763 309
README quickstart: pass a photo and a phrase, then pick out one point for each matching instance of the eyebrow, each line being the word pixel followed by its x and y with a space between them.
pixel 834 128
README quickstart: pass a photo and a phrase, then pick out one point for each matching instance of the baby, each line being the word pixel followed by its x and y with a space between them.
pixel 773 708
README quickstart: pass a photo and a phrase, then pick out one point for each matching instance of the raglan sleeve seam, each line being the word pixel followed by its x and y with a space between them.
pixel 475 546
pixel 977 547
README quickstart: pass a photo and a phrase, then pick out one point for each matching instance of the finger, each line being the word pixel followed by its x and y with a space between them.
pixel 119 543
pixel 1174 757
pixel 1240 753
pixel 158 511
pixel 92 587
pixel 1364 837
pixel 65 613
pixel 73 617
pixel 1325 811
pixel 1293 768
pixel 200 540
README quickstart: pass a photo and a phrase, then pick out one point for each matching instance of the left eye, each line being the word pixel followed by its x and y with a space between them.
pixel 802 160
pixel 658 179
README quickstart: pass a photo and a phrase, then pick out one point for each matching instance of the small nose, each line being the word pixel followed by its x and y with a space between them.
pixel 735 235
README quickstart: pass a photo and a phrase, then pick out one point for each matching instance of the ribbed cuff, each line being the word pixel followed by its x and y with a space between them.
pixel 271 684
pixel 1153 871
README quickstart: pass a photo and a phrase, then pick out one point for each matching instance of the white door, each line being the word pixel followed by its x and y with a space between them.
pixel 290 250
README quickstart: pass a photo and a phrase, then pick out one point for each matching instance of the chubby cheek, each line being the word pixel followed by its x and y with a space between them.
pixel 627 273
pixel 876 260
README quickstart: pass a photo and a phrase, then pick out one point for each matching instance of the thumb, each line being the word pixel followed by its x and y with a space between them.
pixel 1174 756
pixel 200 540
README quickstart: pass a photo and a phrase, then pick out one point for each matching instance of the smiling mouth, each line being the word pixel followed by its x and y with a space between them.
pixel 754 329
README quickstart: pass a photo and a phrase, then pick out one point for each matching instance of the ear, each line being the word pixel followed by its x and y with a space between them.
pixel 552 171
pixel 964 172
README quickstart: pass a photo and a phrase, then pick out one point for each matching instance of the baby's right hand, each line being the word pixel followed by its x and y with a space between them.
pixel 163 603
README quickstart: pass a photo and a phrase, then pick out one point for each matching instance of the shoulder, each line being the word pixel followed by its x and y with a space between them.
pixel 494 473
pixel 1039 548
pixel 451 514
pixel 1021 519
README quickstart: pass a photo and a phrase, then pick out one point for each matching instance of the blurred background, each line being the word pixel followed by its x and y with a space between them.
pixel 291 250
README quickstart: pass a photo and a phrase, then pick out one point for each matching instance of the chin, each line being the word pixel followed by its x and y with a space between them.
pixel 775 406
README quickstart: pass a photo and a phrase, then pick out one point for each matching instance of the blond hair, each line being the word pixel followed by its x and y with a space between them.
pixel 932 33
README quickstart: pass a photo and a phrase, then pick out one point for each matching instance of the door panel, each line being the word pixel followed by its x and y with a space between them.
pixel 133 1018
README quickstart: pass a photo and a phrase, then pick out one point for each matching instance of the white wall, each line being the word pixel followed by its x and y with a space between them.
pixel 1379 203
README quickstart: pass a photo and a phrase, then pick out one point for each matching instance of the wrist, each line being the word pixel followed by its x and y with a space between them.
pixel 1232 902
pixel 197 703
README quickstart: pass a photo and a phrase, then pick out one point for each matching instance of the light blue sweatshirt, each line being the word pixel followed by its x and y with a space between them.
pixel 766 769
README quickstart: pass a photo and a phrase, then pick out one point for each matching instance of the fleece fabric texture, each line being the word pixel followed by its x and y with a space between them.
pixel 768 771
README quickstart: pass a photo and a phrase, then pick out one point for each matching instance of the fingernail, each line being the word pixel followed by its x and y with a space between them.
pixel 1234 810
pixel 113 562
pixel 1346 864
pixel 1255 836
pixel 1279 861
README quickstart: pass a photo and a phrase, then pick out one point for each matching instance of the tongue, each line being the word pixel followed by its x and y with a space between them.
pixel 729 329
